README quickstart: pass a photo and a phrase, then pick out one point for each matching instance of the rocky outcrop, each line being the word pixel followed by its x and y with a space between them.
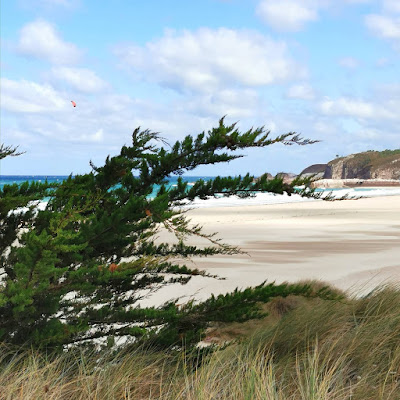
pixel 383 165
pixel 348 168
pixel 287 177
pixel 317 170
pixel 367 165
pixel 269 176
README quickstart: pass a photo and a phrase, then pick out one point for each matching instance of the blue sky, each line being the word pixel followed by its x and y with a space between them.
pixel 328 69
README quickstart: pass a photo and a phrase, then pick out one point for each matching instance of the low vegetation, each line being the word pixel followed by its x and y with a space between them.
pixel 307 348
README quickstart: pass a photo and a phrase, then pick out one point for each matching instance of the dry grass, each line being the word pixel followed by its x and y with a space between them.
pixel 83 376
pixel 305 349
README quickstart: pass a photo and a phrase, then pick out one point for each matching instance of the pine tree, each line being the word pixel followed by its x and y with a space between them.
pixel 6 151
pixel 63 280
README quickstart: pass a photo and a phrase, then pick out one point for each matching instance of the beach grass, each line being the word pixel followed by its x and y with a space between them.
pixel 304 349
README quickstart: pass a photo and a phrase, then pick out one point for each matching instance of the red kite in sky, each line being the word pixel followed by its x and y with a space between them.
pixel 73 103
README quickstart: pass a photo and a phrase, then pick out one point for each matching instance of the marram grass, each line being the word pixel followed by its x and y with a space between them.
pixel 307 349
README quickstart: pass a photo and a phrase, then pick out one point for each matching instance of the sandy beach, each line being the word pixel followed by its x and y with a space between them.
pixel 354 245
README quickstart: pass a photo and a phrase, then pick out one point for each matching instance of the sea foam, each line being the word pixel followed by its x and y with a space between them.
pixel 272 198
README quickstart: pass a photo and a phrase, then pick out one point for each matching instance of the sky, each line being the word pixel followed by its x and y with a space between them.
pixel 326 69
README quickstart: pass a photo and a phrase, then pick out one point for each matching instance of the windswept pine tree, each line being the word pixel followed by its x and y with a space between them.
pixel 63 280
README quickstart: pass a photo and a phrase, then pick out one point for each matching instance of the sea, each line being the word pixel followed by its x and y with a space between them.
pixel 221 201
pixel 18 179
pixel 10 179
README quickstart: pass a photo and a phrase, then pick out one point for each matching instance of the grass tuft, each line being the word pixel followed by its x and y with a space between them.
pixel 306 349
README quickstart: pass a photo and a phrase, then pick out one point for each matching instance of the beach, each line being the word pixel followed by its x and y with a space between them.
pixel 352 244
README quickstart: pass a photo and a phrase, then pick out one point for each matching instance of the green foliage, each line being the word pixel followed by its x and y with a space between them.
pixel 6 151
pixel 66 277
pixel 189 322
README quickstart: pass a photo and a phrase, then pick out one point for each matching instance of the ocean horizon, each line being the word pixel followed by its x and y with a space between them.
pixel 222 201
pixel 18 179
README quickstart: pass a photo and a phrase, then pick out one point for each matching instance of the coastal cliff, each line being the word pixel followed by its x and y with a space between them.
pixel 370 168
pixel 367 165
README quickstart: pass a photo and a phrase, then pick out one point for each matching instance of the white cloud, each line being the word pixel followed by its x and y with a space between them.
pixel 294 15
pixel 81 79
pixel 349 62
pixel 358 108
pixel 98 136
pixel 383 26
pixel 368 133
pixel 287 15
pixel 391 6
pixel 40 40
pixel 301 91
pixel 30 97
pixel 47 117
pixel 236 104
pixel 208 59
pixel 348 107
pixel 386 25
pixel 101 125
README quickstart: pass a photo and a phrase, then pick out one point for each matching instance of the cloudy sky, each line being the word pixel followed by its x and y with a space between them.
pixel 328 69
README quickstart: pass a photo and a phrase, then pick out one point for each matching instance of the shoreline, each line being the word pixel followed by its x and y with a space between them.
pixel 354 183
pixel 352 244
pixel 266 198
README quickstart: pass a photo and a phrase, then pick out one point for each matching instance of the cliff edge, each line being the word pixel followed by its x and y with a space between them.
pixel 377 165
pixel 367 165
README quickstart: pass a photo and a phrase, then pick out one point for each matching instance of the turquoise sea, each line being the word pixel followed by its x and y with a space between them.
pixel 10 179
pixel 262 198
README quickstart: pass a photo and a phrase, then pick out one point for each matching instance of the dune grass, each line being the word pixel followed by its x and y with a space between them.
pixel 305 349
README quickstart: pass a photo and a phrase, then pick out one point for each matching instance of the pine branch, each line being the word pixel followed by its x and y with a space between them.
pixel 6 151
pixel 94 220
